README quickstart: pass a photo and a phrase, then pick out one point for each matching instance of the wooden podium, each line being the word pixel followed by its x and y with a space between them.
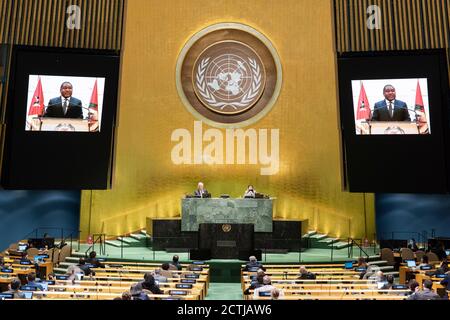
pixel 392 127
pixel 58 124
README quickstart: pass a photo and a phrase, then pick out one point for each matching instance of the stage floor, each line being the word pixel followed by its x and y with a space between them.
pixel 224 270
pixel 308 256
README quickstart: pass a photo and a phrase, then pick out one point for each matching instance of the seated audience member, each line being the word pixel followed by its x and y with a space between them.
pixel 150 285
pixel 85 268
pixel 439 250
pixel 257 283
pixel 412 245
pixel 373 273
pixel 47 241
pixel 158 277
pixel 267 287
pixel 413 287
pixel 361 264
pixel 126 296
pixel 117 298
pixel 389 282
pixel 446 281
pixel 14 287
pixel 253 263
pixel 275 293
pixel 51 276
pixel 137 292
pixel 380 277
pixel 305 274
pixel 175 264
pixel 426 293
pixel 94 261
pixel 165 271
pixel 443 267
pixel 425 262
pixel 73 270
pixel 2 262
pixel 31 281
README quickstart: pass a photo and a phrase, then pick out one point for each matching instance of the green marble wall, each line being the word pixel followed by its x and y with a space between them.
pixel 216 210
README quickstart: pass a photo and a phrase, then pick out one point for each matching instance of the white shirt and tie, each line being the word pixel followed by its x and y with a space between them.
pixel 390 107
pixel 65 103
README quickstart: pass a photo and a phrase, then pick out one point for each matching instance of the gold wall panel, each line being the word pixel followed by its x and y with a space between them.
pixel 43 23
pixel 404 25
pixel 146 182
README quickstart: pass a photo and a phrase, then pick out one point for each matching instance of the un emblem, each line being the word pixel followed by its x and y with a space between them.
pixel 228 75
pixel 226 227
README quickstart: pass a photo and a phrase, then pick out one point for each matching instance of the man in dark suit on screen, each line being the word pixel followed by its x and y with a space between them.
pixel 390 109
pixel 65 106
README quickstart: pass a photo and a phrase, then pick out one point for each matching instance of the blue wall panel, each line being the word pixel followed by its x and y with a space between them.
pixel 412 213
pixel 23 211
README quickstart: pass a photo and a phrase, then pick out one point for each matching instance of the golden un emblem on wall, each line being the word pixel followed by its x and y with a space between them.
pixel 228 75
pixel 226 227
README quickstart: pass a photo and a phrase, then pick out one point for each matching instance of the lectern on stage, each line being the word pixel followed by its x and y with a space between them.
pixel 391 127
pixel 227 241
pixel 58 124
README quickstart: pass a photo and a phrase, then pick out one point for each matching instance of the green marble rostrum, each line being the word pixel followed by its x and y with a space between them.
pixel 217 210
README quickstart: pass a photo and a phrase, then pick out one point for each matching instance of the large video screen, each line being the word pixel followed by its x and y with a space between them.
pixel 60 118
pixel 74 104
pixel 391 106
pixel 394 117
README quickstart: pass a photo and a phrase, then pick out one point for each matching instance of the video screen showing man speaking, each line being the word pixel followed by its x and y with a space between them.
pixel 391 106
pixel 64 103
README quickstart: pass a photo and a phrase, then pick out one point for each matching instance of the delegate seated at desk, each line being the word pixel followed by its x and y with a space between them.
pixel 201 191
pixel 250 192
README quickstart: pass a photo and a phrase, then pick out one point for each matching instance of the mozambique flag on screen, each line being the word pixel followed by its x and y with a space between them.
pixel 94 98
pixel 37 103
pixel 419 101
pixel 363 112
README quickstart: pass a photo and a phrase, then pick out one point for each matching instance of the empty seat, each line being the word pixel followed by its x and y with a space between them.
pixel 407 254
pixel 388 256
pixel 419 255
pixel 432 257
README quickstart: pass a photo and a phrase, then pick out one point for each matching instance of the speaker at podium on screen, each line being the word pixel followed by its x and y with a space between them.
pixel 64 112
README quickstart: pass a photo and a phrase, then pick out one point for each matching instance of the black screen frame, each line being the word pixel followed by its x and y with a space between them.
pixel 59 160
pixel 382 163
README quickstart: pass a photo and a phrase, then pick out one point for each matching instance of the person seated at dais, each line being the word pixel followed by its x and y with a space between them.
pixel 201 191
pixel 250 192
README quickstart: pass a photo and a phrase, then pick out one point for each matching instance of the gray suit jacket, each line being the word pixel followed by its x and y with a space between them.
pixel 425 294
